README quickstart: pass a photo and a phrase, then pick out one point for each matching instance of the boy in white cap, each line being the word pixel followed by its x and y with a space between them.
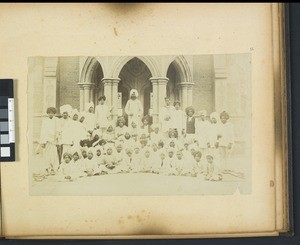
pixel 49 140
pixel 134 108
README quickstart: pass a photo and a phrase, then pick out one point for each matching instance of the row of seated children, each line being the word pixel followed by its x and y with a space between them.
pixel 155 158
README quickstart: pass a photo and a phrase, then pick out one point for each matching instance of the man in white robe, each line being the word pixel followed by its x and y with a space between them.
pixel 179 119
pixel 134 108
pixel 202 128
pixel 66 133
pixel 49 140
pixel 102 114
pixel 166 117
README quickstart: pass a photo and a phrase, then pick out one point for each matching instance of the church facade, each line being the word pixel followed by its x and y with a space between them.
pixel 208 82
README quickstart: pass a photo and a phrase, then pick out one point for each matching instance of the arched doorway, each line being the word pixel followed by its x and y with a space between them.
pixel 98 89
pixel 135 75
pixel 173 87
pixel 90 85
pixel 180 85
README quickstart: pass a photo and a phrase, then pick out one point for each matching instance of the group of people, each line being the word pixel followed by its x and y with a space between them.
pixel 90 143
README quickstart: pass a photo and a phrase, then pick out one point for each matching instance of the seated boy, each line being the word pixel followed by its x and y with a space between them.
pixel 90 164
pixel 212 172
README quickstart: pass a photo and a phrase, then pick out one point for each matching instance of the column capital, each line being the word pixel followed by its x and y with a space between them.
pixel 187 84
pixel 85 85
pixel 107 80
pixel 159 80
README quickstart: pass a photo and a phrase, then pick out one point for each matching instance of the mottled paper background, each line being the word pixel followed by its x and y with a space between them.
pixel 139 29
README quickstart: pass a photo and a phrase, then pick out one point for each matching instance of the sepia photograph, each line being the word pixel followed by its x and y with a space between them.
pixel 140 125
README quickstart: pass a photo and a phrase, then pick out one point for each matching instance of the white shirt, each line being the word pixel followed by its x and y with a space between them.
pixel 102 114
pixel 134 107
pixel 49 130
pixel 165 118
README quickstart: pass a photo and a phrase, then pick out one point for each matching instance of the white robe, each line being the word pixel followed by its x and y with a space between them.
pixel 90 121
pixel 166 118
pixel 202 129
pixel 102 114
pixel 134 107
pixel 178 120
pixel 79 132
pixel 49 137
pixel 227 134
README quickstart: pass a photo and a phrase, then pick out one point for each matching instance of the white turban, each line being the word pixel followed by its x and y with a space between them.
pixel 135 92
pixel 74 112
pixel 89 105
pixel 203 112
pixel 215 115
pixel 66 108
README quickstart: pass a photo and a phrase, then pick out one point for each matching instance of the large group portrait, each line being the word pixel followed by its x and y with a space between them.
pixel 140 125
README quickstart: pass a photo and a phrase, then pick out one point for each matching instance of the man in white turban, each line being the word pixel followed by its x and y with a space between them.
pixel 134 108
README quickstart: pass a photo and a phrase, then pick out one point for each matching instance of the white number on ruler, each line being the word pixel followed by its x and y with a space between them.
pixel 11 120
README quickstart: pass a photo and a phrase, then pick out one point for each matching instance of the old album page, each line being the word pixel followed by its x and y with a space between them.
pixel 142 120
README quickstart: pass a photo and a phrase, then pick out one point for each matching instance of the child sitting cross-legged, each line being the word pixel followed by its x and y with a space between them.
pixel 90 163
pixel 66 169
pixel 212 172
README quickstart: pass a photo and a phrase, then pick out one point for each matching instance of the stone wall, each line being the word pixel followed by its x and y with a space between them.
pixel 203 77
pixel 68 77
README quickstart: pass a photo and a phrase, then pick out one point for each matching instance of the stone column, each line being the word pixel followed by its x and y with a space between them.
pixel 159 90
pixel 111 93
pixel 107 90
pixel 190 94
pixel 92 94
pixel 220 67
pixel 81 97
pixel 87 99
pixel 184 95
